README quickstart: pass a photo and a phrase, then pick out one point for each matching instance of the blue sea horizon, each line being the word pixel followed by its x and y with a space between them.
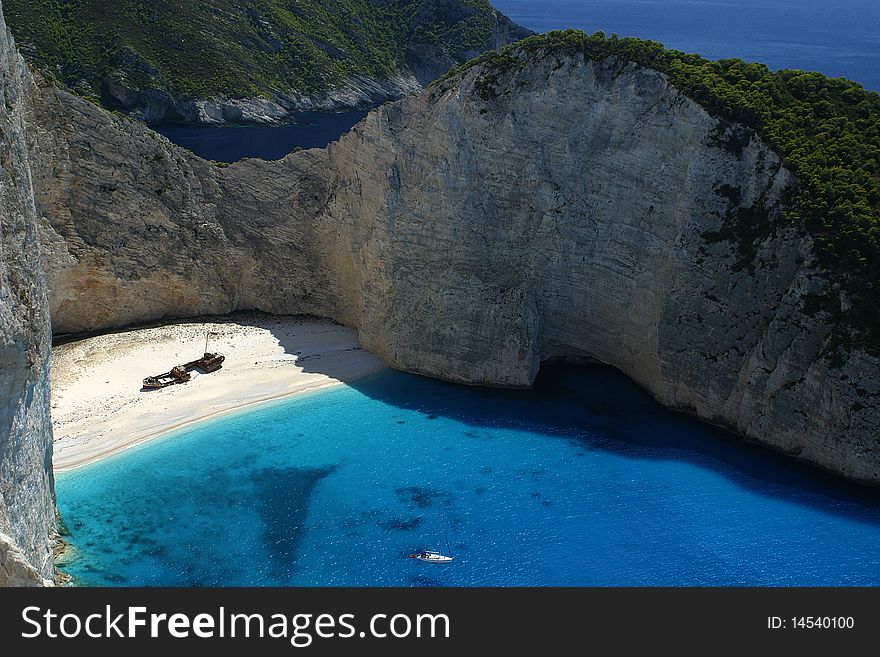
pixel 839 39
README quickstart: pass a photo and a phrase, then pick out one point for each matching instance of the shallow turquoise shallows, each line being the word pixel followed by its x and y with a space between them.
pixel 582 481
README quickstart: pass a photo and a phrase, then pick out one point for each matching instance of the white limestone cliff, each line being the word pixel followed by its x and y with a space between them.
pixel 27 506
pixel 562 209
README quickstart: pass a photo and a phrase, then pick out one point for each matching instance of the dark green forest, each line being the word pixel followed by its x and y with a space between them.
pixel 202 48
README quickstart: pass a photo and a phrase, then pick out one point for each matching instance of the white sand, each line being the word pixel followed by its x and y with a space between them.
pixel 98 407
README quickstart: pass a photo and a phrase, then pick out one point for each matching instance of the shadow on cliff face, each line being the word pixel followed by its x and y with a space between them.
pixel 598 408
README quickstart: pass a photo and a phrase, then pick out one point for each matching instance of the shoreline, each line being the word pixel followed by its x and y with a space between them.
pixel 74 463
pixel 99 409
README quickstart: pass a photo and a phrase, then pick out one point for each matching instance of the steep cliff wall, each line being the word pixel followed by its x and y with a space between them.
pixel 572 210
pixel 561 209
pixel 134 228
pixel 27 508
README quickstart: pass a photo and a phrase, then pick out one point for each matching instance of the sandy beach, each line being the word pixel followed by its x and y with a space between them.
pixel 99 409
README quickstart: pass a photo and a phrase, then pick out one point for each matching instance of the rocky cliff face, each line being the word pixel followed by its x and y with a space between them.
pixel 27 508
pixel 159 106
pixel 569 210
pixel 561 209
pixel 134 228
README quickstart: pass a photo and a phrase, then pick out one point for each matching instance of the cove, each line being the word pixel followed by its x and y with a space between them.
pixel 583 480
pixel 230 143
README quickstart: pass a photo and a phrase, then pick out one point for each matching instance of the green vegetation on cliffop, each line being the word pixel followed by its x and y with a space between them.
pixel 202 48
pixel 826 130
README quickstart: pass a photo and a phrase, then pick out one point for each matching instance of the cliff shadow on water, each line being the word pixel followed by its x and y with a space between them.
pixel 597 408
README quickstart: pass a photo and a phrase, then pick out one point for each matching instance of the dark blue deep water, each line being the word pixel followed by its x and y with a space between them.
pixel 835 37
pixel 584 480
pixel 230 143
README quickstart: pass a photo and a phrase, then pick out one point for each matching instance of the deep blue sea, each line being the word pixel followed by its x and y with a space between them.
pixel 584 480
pixel 231 143
pixel 835 37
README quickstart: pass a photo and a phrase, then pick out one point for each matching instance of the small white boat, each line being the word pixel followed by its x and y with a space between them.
pixel 432 556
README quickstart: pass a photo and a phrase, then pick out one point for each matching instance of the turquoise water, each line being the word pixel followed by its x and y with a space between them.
pixel 582 481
